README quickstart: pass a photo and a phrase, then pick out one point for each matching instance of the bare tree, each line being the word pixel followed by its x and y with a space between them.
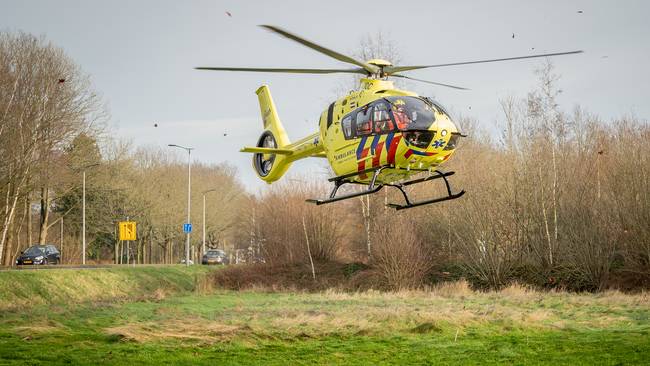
pixel 44 101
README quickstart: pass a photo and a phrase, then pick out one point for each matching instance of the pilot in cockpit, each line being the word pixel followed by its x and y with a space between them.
pixel 401 116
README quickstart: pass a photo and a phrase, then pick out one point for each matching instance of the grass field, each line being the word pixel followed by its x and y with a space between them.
pixel 449 324
pixel 27 288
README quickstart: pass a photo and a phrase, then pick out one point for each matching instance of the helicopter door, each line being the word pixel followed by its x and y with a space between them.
pixel 363 122
pixel 382 122
pixel 346 123
pixel 373 119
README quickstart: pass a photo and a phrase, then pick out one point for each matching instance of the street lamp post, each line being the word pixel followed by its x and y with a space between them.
pixel 61 241
pixel 83 221
pixel 189 192
pixel 203 241
pixel 83 214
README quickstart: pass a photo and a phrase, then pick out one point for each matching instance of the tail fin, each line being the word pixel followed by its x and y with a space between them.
pixel 270 162
pixel 270 117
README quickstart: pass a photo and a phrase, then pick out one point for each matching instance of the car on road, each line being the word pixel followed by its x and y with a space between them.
pixel 215 256
pixel 39 254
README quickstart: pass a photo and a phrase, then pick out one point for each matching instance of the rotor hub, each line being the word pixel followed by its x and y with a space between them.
pixel 379 62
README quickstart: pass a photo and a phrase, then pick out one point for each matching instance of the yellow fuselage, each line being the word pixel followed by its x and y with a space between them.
pixel 350 152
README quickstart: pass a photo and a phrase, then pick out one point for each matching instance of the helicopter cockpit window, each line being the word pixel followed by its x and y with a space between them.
pixel 411 113
pixel 381 119
pixel 453 141
pixel 347 126
pixel 363 126
pixel 439 107
pixel 417 138
pixel 389 114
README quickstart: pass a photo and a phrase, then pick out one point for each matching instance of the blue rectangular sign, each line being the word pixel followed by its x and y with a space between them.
pixel 187 228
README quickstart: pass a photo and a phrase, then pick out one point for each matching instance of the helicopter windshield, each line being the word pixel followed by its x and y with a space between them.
pixel 389 114
pixel 411 113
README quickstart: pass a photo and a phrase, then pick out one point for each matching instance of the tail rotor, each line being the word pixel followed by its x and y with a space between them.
pixel 264 162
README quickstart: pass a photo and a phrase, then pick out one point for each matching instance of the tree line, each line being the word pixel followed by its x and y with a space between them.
pixel 52 133
pixel 555 198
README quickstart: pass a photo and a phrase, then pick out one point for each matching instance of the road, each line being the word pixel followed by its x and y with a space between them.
pixel 73 266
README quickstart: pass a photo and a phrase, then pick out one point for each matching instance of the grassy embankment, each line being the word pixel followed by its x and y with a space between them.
pixel 28 288
pixel 448 324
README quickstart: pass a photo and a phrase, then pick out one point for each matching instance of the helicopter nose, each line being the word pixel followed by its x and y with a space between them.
pixel 445 127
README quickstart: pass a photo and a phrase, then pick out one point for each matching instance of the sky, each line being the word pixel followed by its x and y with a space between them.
pixel 140 56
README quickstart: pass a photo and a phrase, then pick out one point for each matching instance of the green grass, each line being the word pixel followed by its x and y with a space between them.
pixel 447 325
pixel 27 288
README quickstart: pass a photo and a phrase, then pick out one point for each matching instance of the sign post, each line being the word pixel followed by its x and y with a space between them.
pixel 187 229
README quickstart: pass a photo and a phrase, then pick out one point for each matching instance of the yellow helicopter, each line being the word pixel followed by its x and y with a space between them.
pixel 375 136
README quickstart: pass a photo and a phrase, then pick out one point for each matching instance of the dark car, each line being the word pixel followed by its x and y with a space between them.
pixel 39 254
pixel 215 256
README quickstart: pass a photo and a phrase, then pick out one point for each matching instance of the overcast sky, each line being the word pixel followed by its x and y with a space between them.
pixel 141 54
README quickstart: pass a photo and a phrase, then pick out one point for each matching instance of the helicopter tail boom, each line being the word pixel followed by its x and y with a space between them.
pixel 274 153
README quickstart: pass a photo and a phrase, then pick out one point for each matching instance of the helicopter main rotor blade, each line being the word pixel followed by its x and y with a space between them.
pixel 429 82
pixel 371 69
pixel 292 71
pixel 393 69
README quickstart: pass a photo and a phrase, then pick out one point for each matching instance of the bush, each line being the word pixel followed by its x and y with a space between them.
pixel 400 256
pixel 296 276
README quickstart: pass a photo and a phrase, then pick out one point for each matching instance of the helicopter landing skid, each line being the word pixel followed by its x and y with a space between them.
pixel 343 179
pixel 437 174
pixel 374 187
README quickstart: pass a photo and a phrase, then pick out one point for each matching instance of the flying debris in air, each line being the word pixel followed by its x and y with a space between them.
pixel 225 134
pixel 513 35
pixel 228 14
pixel 579 11
pixel 155 125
